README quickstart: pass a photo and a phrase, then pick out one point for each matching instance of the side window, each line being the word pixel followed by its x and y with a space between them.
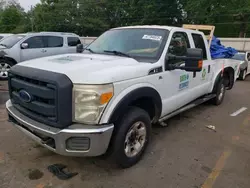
pixel 199 43
pixel 73 41
pixel 53 41
pixel 178 45
pixel 35 42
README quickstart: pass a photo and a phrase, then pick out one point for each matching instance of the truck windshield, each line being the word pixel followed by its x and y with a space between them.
pixel 143 44
pixel 239 56
pixel 9 42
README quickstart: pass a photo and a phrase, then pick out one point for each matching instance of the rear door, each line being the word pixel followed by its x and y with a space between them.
pixel 35 49
pixel 201 80
pixel 54 45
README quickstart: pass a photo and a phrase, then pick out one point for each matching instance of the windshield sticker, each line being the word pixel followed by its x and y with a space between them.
pixel 184 81
pixel 204 72
pixel 152 37
pixel 66 59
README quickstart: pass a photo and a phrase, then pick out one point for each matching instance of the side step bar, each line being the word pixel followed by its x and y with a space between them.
pixel 189 106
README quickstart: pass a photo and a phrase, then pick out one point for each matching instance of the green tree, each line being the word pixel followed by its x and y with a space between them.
pixel 231 17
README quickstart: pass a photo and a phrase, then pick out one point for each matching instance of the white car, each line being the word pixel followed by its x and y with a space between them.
pixel 23 47
pixel 244 58
pixel 108 97
pixel 4 35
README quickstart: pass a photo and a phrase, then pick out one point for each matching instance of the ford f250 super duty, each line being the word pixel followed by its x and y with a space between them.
pixel 105 99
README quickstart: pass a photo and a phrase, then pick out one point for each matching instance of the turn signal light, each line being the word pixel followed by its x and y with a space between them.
pixel 105 97
pixel 200 63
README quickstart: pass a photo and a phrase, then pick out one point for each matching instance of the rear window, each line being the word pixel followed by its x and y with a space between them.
pixel 199 43
pixel 73 41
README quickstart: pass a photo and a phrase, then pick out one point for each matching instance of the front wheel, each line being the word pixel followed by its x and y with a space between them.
pixel 220 93
pixel 5 66
pixel 131 138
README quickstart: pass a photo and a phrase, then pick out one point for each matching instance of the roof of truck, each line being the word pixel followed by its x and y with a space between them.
pixel 158 27
pixel 146 26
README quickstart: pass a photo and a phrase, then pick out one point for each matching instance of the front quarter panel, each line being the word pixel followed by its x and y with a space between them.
pixel 120 92
pixel 14 53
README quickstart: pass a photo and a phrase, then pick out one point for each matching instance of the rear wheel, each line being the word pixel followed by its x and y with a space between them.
pixel 131 138
pixel 220 93
pixel 5 66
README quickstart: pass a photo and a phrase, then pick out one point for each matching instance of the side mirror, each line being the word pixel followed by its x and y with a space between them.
pixel 193 60
pixel 79 48
pixel 24 45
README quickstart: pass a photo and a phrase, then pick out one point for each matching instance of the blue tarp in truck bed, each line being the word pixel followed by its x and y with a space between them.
pixel 219 51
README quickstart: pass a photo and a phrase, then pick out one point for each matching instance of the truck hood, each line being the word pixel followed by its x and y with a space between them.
pixel 91 68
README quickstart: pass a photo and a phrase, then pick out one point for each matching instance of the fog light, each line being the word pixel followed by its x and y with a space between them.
pixel 78 144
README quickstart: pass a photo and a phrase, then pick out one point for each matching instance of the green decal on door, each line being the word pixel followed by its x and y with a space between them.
pixel 184 81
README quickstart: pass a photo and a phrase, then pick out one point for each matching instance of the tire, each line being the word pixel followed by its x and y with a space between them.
pixel 132 130
pixel 220 93
pixel 243 74
pixel 5 66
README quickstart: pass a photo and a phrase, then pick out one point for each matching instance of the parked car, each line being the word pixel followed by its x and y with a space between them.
pixel 106 98
pixel 23 47
pixel 4 35
pixel 244 58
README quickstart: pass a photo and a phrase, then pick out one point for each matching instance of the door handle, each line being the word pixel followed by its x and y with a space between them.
pixel 44 50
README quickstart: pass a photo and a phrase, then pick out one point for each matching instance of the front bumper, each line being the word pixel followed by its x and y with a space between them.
pixel 94 138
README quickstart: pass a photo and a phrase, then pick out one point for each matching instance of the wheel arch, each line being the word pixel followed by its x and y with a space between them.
pixel 146 98
pixel 228 76
pixel 9 59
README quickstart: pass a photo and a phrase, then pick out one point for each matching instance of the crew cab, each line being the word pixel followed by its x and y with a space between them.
pixel 22 47
pixel 106 99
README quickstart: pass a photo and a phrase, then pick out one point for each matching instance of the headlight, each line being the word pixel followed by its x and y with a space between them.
pixel 89 102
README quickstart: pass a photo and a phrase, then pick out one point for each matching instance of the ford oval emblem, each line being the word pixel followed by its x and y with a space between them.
pixel 25 96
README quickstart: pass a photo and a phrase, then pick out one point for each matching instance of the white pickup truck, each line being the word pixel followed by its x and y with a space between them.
pixel 106 99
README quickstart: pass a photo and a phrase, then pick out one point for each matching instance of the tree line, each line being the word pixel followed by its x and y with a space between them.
pixel 92 17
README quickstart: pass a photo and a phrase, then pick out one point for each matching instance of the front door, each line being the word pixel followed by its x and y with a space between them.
pixel 178 83
pixel 36 48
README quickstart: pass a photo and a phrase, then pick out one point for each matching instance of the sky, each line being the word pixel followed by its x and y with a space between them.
pixel 26 4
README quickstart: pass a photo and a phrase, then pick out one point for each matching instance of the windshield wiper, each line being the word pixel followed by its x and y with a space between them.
pixel 90 50
pixel 117 53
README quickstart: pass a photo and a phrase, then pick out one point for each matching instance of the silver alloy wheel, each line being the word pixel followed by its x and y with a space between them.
pixel 4 68
pixel 135 139
pixel 222 89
